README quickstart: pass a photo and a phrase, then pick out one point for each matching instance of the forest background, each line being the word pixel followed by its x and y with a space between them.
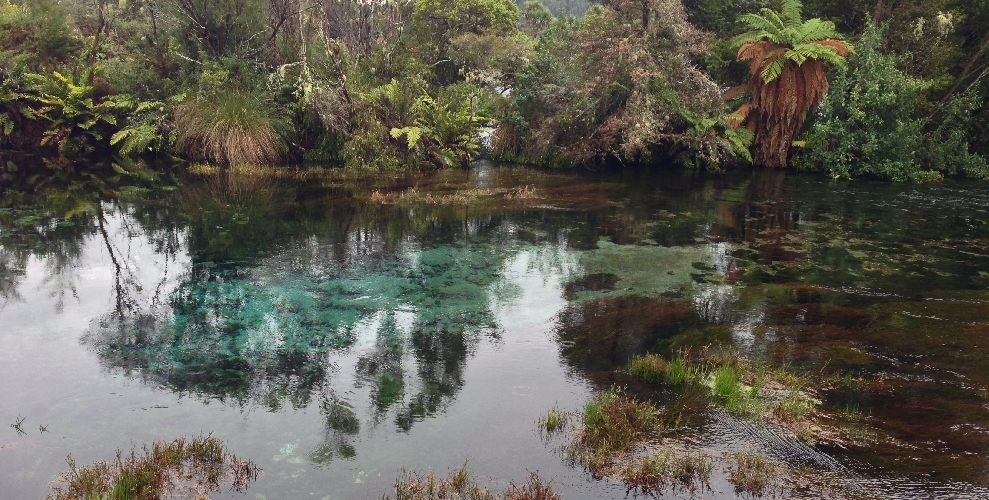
pixel 893 89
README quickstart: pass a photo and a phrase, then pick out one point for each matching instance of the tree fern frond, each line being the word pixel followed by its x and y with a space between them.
pixel 816 29
pixel 823 53
pixel 791 13
pixel 773 70
pixel 773 17
pixel 842 48
pixel 756 22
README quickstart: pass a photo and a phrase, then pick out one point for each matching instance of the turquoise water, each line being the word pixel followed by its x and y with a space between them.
pixel 336 340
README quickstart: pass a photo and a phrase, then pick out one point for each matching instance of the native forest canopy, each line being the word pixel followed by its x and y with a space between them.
pixel 849 88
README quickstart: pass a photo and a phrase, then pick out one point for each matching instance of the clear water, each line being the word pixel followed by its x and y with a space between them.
pixel 336 341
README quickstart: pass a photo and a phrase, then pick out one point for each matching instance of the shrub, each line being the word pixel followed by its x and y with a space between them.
pixel 871 124
pixel 230 128
pixel 867 124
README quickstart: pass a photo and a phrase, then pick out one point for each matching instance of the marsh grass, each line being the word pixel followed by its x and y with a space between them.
pixel 726 381
pixel 186 467
pixel 679 371
pixel 669 467
pixel 616 422
pixel 752 473
pixel 651 368
pixel 533 489
pixel 554 421
pixel 231 128
pixel 460 485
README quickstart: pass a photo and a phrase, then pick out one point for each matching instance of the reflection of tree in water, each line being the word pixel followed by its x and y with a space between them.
pixel 270 332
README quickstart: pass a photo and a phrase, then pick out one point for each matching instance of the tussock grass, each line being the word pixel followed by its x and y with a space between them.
pixel 651 367
pixel 726 381
pixel 680 371
pixel 231 128
pixel 752 473
pixel 533 489
pixel 457 486
pixel 186 467
pixel 616 422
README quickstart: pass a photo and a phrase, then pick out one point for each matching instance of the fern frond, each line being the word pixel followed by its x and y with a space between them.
pixel 791 13
pixel 774 64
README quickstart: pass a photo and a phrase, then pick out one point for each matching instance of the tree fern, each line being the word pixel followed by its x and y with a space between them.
pixel 786 56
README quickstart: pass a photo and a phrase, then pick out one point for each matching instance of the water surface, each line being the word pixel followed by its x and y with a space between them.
pixel 335 340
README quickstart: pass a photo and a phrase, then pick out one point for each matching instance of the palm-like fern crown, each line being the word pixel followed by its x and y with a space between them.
pixel 778 37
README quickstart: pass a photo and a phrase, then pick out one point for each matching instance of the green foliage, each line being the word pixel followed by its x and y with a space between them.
pixel 615 421
pixel 869 124
pixel 615 85
pixel 437 23
pixel 945 148
pixel 679 371
pixel 401 125
pixel 78 121
pixel 795 36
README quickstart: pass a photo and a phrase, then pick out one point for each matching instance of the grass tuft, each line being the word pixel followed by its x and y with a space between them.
pixel 651 367
pixel 679 372
pixel 198 466
pixel 670 467
pixel 460 485
pixel 231 128
pixel 752 473
pixel 616 422
pixel 533 489
pixel 554 420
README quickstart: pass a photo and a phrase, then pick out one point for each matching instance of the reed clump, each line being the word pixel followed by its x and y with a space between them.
pixel 752 473
pixel 554 421
pixel 460 485
pixel 183 467
pixel 669 467
pixel 616 422
pixel 231 128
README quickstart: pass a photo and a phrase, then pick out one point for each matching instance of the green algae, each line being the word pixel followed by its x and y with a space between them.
pixel 648 271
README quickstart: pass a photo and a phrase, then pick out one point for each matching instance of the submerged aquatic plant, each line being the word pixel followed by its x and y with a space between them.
pixel 192 467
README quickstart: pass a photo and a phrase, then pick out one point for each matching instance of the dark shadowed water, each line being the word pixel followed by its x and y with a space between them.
pixel 336 339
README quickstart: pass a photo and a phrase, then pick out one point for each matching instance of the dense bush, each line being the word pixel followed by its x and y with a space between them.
pixel 870 124
pixel 411 84
pixel 618 84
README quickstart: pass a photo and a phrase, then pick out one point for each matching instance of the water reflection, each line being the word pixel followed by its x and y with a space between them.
pixel 290 297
